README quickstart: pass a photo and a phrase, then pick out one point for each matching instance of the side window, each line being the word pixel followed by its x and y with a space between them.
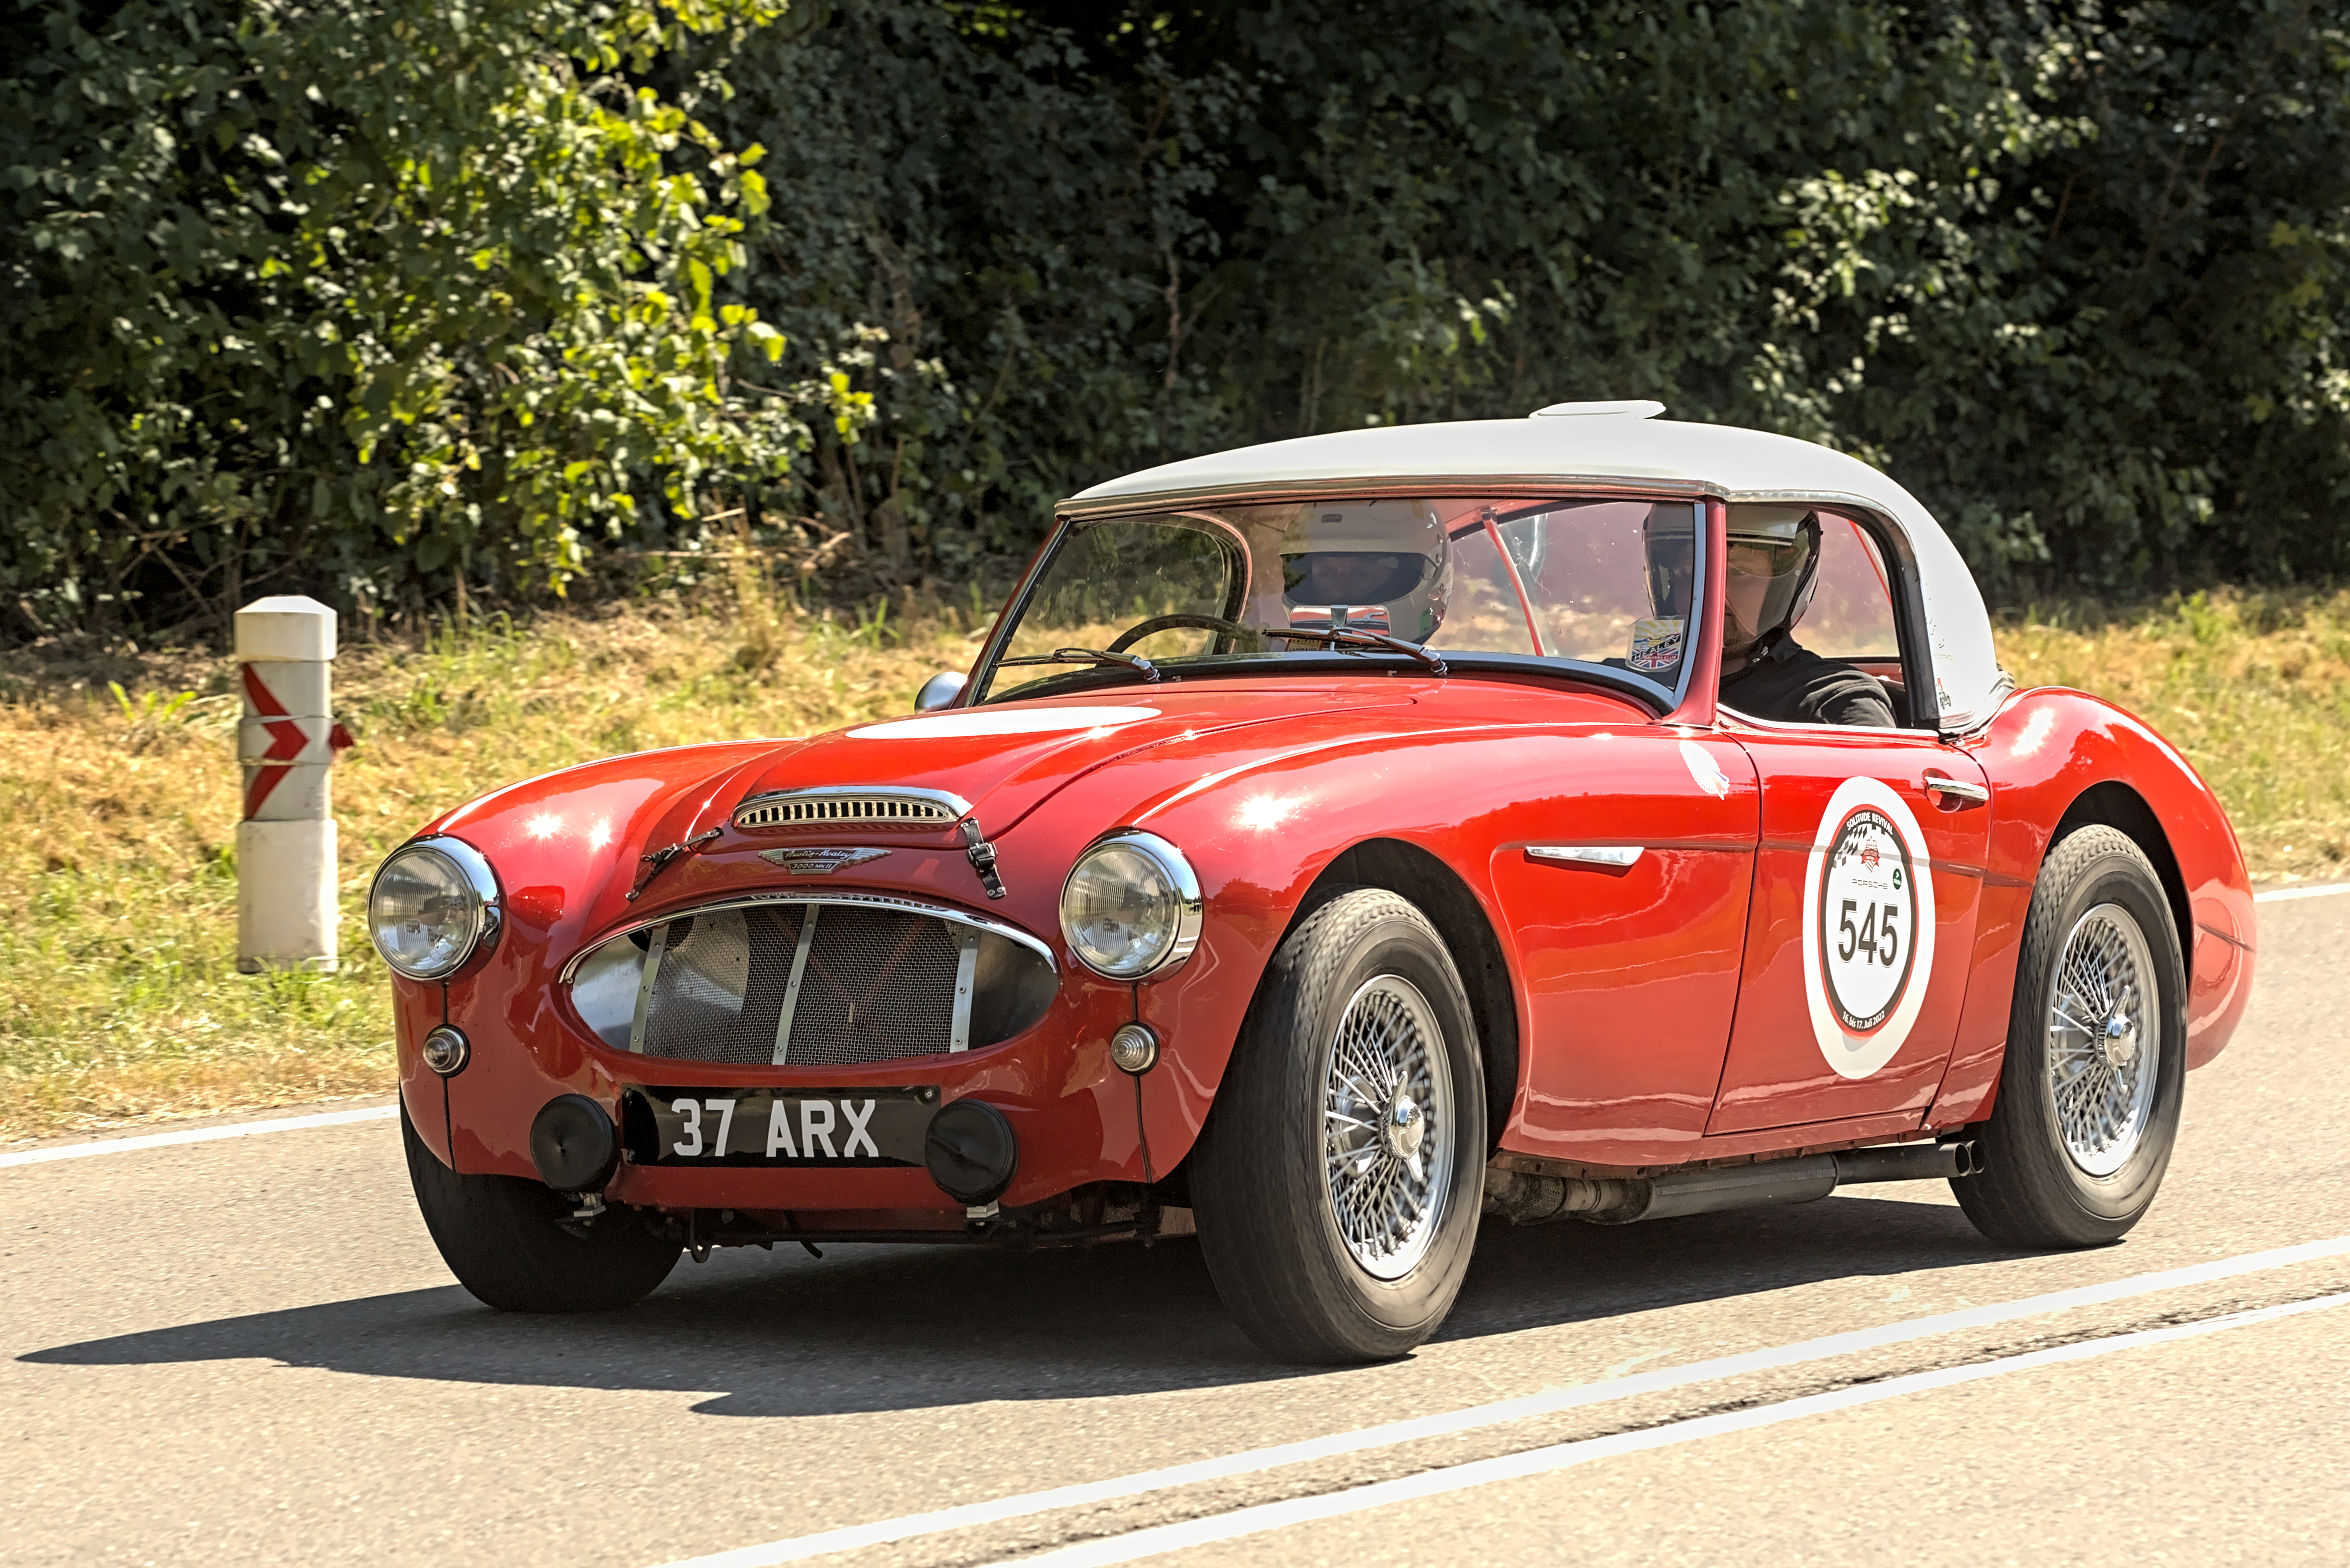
pixel 1609 582
pixel 1851 616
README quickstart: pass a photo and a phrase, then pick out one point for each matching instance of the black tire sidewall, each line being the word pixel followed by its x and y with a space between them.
pixel 1268 1132
pixel 503 1239
pixel 2098 866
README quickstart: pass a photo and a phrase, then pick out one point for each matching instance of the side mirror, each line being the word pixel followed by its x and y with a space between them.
pixel 938 691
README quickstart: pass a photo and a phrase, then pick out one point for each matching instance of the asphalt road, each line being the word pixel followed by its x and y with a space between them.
pixel 248 1351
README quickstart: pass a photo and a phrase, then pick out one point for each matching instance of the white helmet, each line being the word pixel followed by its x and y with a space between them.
pixel 1367 561
pixel 1791 534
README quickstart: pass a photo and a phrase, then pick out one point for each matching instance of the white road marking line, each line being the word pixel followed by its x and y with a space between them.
pixel 849 1538
pixel 1163 1538
pixel 2280 894
pixel 196 1134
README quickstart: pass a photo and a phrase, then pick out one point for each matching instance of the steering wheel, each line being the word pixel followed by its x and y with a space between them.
pixel 1141 629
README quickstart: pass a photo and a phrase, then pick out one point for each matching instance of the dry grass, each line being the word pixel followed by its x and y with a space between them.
pixel 120 998
pixel 118 995
pixel 2253 687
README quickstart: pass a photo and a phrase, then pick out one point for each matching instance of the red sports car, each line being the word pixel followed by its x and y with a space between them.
pixel 1334 842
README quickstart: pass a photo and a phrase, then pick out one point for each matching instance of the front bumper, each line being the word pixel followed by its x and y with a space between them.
pixel 1077 1118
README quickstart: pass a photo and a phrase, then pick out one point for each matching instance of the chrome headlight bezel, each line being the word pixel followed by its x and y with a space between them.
pixel 1188 915
pixel 472 868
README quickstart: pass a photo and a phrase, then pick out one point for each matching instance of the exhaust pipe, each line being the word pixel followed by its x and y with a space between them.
pixel 1522 1198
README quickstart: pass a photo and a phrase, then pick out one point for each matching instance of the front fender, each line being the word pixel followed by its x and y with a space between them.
pixel 564 848
pixel 1261 830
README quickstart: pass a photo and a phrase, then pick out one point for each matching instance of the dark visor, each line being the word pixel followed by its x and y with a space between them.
pixel 1351 577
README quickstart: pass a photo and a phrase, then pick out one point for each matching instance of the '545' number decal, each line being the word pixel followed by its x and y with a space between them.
pixel 1869 936
pixel 1871 886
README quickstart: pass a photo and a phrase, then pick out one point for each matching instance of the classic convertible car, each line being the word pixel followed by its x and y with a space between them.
pixel 1335 843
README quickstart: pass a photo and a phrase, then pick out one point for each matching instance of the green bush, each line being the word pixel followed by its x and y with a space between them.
pixel 2074 276
pixel 383 297
pixel 356 293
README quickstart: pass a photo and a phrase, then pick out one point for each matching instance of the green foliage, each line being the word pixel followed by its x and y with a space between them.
pixel 360 290
pixel 2075 276
pixel 361 294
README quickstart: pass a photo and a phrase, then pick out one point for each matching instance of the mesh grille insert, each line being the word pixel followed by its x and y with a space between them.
pixel 877 985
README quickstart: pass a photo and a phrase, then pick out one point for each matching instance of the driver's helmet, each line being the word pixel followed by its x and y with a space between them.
pixel 1790 537
pixel 1383 565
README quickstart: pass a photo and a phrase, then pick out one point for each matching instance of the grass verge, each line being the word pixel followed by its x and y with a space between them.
pixel 119 999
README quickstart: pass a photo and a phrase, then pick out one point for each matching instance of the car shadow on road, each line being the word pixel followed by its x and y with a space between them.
pixel 879 1328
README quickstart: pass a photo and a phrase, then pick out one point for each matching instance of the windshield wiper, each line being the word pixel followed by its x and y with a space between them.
pixel 1361 639
pixel 1133 662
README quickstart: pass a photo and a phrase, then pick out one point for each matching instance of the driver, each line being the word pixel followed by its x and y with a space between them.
pixel 1773 566
pixel 1383 565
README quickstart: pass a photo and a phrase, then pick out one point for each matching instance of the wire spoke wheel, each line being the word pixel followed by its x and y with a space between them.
pixel 2101 1064
pixel 1388 1127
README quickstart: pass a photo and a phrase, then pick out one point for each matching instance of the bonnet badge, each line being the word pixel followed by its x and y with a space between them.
pixel 818 862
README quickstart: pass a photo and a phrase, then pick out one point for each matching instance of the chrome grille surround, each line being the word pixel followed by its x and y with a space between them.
pixel 811 980
pixel 868 806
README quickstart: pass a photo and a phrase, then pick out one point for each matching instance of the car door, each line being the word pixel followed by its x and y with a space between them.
pixel 1623 875
pixel 1626 894
pixel 1868 882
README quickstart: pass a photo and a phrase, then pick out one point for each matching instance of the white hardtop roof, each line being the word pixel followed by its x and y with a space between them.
pixel 1615 445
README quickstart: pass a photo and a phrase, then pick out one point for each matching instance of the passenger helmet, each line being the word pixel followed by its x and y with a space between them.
pixel 1669 547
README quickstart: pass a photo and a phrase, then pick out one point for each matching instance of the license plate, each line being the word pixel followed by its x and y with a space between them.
pixel 838 1129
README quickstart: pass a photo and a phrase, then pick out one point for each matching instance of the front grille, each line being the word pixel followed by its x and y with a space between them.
pixel 830 808
pixel 831 982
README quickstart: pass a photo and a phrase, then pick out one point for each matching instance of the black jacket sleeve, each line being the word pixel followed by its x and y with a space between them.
pixel 1796 686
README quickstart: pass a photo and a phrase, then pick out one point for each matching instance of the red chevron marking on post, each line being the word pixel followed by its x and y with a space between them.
pixel 285 741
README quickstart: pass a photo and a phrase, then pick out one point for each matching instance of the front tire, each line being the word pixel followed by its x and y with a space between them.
pixel 502 1237
pixel 1339 1179
pixel 2090 1092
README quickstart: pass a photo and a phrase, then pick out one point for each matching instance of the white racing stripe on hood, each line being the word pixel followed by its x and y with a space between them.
pixel 979 721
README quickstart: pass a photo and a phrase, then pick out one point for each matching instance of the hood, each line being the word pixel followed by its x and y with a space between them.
pixel 567 846
pixel 1005 759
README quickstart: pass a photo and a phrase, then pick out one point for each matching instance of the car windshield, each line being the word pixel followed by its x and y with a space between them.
pixel 1608 584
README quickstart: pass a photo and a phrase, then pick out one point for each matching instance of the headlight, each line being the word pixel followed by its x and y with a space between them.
pixel 1131 906
pixel 434 904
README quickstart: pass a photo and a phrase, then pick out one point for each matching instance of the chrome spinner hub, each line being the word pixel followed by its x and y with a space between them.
pixel 1405 1127
pixel 2121 1042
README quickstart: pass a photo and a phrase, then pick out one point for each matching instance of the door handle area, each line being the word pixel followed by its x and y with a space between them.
pixel 1955 792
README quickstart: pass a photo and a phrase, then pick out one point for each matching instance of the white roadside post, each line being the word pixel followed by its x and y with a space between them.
pixel 287 874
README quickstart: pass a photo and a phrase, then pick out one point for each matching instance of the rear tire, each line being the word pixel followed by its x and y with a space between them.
pixel 2090 1092
pixel 501 1236
pixel 1338 1180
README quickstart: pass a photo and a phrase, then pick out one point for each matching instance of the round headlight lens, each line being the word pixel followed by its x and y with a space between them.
pixel 424 913
pixel 1130 907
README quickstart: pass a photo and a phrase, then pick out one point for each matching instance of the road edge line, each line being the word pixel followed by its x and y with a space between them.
pixel 195 1134
pixel 1157 1540
pixel 2286 895
pixel 881 1533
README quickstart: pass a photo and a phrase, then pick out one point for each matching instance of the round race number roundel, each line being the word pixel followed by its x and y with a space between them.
pixel 1868 927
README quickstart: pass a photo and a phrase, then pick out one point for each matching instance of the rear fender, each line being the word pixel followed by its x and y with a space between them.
pixel 2060 760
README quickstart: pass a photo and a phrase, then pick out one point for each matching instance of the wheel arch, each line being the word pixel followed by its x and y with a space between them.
pixel 1438 891
pixel 2115 804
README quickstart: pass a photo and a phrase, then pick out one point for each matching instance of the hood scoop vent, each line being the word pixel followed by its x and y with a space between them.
pixel 851 806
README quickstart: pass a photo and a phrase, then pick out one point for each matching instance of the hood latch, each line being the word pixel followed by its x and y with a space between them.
pixel 982 856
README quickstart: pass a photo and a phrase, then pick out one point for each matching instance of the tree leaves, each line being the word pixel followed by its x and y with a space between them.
pixel 361 295
pixel 390 285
